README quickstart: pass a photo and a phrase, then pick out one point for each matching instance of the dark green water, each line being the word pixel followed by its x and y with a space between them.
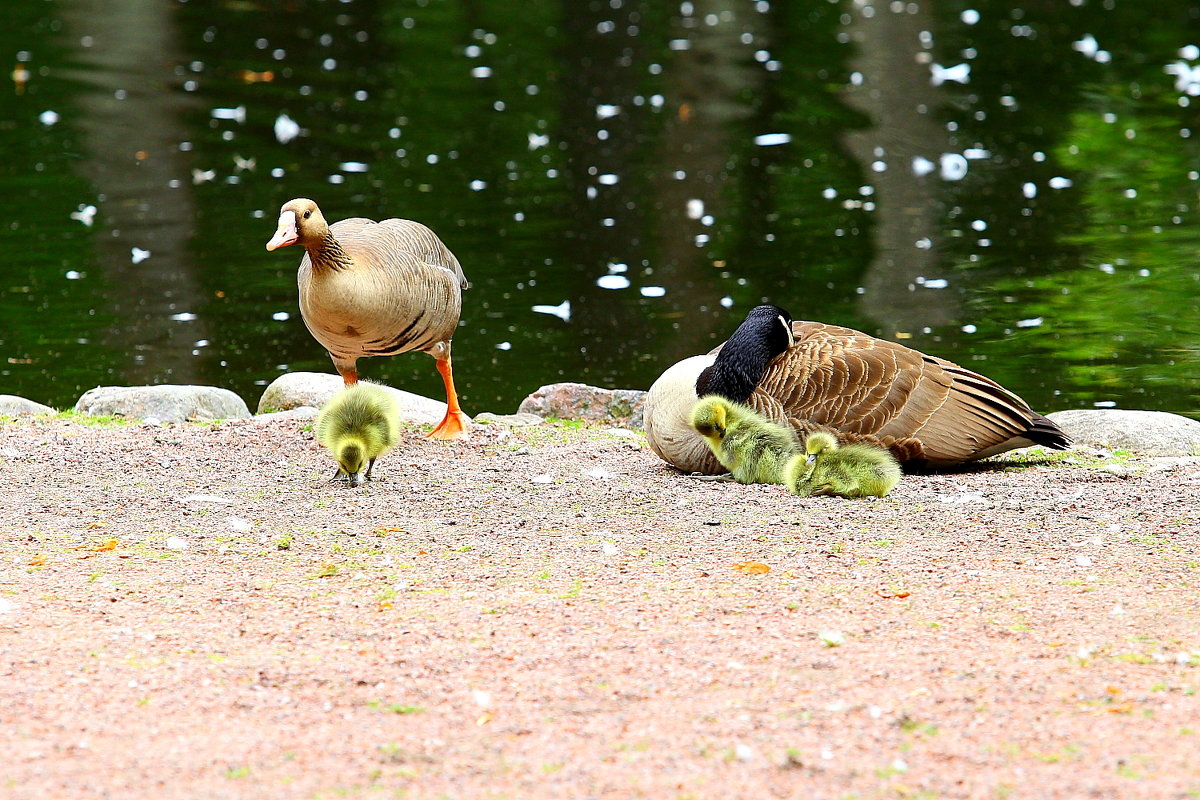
pixel 705 155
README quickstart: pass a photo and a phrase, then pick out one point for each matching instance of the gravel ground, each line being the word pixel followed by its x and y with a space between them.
pixel 195 611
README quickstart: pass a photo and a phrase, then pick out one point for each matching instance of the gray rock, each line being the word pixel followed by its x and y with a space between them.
pixel 13 406
pixel 302 413
pixel 508 420
pixel 166 403
pixel 1151 433
pixel 296 389
pixel 590 403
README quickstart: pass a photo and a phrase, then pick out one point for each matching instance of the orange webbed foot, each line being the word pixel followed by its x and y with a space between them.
pixel 453 426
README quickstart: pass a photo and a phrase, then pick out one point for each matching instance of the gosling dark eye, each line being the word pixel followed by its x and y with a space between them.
pixel 307 214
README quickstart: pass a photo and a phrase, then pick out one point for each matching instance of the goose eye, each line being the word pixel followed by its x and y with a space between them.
pixel 307 214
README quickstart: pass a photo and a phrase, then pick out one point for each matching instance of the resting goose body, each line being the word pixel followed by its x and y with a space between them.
pixel 376 289
pixel 814 376
pixel 853 470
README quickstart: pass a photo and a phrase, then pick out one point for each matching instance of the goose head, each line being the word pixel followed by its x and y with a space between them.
pixel 817 443
pixel 300 222
pixel 352 458
pixel 710 417
pixel 739 366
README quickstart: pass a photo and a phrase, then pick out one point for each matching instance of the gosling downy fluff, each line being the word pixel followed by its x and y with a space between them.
pixel 358 425
pixel 752 448
pixel 812 376
pixel 853 470
pixel 377 289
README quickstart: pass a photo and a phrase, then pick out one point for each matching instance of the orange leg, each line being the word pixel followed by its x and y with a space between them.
pixel 454 425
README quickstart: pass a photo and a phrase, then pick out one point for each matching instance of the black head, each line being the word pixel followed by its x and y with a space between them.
pixel 765 333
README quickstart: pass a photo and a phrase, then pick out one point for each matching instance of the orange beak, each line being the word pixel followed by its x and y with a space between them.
pixel 286 233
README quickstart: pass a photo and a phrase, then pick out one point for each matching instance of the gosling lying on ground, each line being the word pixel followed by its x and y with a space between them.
pixel 853 470
pixel 358 425
pixel 751 447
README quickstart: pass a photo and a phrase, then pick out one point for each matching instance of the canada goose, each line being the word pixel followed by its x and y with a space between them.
pixel 853 470
pixel 814 376
pixel 752 448
pixel 358 425
pixel 376 289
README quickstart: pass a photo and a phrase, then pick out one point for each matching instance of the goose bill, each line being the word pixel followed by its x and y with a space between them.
pixel 286 233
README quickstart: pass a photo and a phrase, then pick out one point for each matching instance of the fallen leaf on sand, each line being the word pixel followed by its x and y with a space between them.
pixel 752 567
pixel 388 529
pixel 94 525
pixel 99 547
pixel 888 594
pixel 484 718
pixel 37 561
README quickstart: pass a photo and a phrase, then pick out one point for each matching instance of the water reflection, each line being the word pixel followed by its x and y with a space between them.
pixel 621 181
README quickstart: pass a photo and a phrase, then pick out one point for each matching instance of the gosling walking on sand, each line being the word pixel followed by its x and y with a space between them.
pixel 358 425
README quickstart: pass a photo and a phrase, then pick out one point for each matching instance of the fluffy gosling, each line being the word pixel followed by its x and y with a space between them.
pixel 358 425
pixel 751 447
pixel 853 470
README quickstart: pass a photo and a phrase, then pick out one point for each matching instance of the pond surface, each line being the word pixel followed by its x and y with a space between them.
pixel 1011 187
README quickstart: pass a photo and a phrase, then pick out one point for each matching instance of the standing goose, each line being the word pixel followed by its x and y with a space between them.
pixel 815 376
pixel 376 289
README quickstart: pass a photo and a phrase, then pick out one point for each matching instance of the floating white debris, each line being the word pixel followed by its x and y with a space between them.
pixel 612 282
pixel 726 302
pixel 1108 269
pixel 969 328
pixel 1087 45
pixel 924 243
pixel 48 118
pixel 976 153
pixel 543 478
pixel 562 310
pixel 481 72
pixel 679 44
pixel 477 185
pixel 935 283
pixel 537 140
pixel 922 166
pixel 504 345
pixel 829 193
pixel 600 473
pixel 831 638
pixel 1059 182
pixel 183 316
pixel 352 166
pixel 286 129
pixel 73 275
pixel 616 266
pixel 336 178
pixel 695 208
pixel 772 139
pixel 243 164
pixel 1105 404
pixel 979 225
pixel 238 114
pixel 1029 189
pixel 1032 322
pixel 176 543
pixel 200 176
pixel 608 179
pixel 953 167
pixel 281 316
pixel 604 111
pixel 653 291
pixel 137 255
pixel 959 73
pixel 86 214
pixel 969 17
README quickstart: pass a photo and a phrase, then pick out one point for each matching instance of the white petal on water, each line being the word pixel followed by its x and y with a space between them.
pixel 612 282
pixel 695 208
pixel 922 166
pixel 86 214
pixel 969 17
pixel 200 176
pixel 562 310
pixel 1029 189
pixel 726 302
pixel 137 255
pixel 653 291
pixel 1105 404
pixel 1059 182
pixel 1032 322
pixel 481 72
pixel 969 328
pixel 73 275
pixel 608 179
pixel 772 139
pixel 352 166
pixel 477 185
pixel 976 153
pixel 614 267
pixel 183 316
pixel 504 345
pixel 537 140
pixel 238 114
pixel 48 118
pixel 959 73
pixel 829 193
pixel 953 167
pixel 936 283
pixel 605 111
pixel 1087 45
pixel 286 129
pixel 281 316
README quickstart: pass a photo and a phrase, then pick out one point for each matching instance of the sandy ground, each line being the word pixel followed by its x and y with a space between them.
pixel 196 612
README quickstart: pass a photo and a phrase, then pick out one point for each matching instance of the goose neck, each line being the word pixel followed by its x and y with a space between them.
pixel 327 254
